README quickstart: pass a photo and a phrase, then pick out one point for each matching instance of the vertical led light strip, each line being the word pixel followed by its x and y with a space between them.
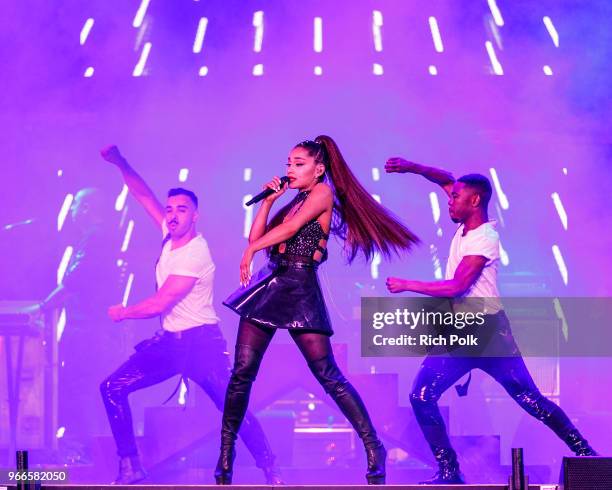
pixel 554 35
pixel 318 42
pixel 120 201
pixel 61 325
pixel 560 209
pixel 63 212
pixel 258 24
pixel 89 71
pixel 503 255
pixel 377 23
pixel 503 199
pixel 140 14
pixel 86 30
pixel 495 64
pixel 436 261
pixel 437 40
pixel 497 16
pixel 435 34
pixel 128 236
pixel 128 289
pixel 550 27
pixel 376 258
pixel 139 69
pixel 63 265
pixel 435 206
pixel 560 263
pixel 183 175
pixel 198 43
pixel 248 215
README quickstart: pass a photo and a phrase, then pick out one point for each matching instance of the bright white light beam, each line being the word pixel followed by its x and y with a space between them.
pixel 120 201
pixel 560 209
pixel 258 24
pixel 63 265
pixel 435 206
pixel 61 325
pixel 61 217
pixel 128 236
pixel 497 16
pixel 128 289
pixel 551 30
pixel 435 34
pixel 139 68
pixel 560 263
pixel 86 30
pixel 200 33
pixel 503 199
pixel 377 23
pixel 248 215
pixel 140 13
pixel 495 64
pixel 183 174
pixel 318 34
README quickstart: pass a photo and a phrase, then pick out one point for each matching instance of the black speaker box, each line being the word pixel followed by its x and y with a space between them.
pixel 586 473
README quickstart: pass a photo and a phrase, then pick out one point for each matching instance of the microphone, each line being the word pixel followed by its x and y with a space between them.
pixel 267 192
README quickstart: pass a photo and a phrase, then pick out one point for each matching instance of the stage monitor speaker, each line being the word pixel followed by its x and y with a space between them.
pixel 586 473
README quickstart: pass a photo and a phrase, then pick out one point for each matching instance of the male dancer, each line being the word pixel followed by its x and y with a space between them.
pixel 190 342
pixel 471 272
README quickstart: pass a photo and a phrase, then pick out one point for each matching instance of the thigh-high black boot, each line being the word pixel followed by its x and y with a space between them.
pixel 245 369
pixel 350 404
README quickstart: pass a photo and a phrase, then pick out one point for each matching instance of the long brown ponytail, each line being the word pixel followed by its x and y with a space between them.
pixel 361 222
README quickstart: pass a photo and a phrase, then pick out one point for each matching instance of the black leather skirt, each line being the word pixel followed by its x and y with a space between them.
pixel 285 293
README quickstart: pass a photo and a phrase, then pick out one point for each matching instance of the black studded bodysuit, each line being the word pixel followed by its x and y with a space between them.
pixel 285 293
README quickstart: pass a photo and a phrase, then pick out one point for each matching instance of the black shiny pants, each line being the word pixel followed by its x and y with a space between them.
pixel 199 354
pixel 438 373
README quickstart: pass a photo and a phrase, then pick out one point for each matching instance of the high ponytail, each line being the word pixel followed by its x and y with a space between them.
pixel 360 221
pixel 357 219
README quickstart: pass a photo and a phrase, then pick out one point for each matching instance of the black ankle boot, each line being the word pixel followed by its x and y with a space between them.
pixel 377 456
pixel 225 464
pixel 578 444
pixel 448 468
pixel 130 471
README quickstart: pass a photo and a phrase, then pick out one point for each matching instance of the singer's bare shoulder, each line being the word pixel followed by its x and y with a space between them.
pixel 322 190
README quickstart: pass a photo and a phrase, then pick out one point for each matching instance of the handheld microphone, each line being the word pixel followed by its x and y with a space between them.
pixel 267 192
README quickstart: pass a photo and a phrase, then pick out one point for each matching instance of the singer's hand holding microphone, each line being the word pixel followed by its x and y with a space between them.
pixel 272 190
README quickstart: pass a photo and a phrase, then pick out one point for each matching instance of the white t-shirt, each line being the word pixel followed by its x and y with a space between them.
pixel 193 260
pixel 484 241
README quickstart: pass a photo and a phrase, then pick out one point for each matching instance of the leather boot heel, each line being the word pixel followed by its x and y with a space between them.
pixel 225 465
pixel 377 456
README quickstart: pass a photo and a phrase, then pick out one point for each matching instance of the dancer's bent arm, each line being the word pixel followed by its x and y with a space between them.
pixel 174 289
pixel 467 272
